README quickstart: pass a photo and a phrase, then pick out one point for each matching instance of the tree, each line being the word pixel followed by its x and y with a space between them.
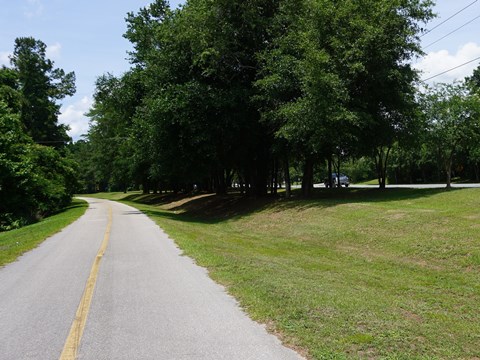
pixel 41 85
pixel 243 88
pixel 453 116
pixel 9 89
pixel 338 81
pixel 373 46
pixel 116 101
pixel 35 180
pixel 200 65
pixel 80 152
pixel 14 168
pixel 473 83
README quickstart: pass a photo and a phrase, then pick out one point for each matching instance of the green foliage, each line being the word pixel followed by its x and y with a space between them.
pixel 41 85
pixel 113 153
pixel 35 180
pixel 446 138
pixel 80 153
pixel 379 76
pixel 473 82
pixel 352 91
pixel 14 167
pixel 194 122
pixel 223 90
pixel 9 89
pixel 53 180
pixel 360 170
pixel 453 121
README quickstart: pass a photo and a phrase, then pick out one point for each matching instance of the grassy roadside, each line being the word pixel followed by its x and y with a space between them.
pixel 16 242
pixel 368 182
pixel 350 274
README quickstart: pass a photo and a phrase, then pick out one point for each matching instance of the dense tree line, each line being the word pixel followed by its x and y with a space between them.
pixel 230 92
pixel 36 177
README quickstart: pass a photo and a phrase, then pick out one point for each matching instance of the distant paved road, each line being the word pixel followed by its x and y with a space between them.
pixel 149 302
pixel 410 186
pixel 419 186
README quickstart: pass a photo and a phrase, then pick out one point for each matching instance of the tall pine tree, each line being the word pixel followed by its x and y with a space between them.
pixel 41 85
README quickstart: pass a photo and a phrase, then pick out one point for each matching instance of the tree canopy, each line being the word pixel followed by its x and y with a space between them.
pixel 40 85
pixel 234 92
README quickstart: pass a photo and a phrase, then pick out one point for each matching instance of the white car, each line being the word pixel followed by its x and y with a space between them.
pixel 344 180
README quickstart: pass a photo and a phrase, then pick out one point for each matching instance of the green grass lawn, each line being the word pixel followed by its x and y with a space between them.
pixel 350 274
pixel 368 182
pixel 16 242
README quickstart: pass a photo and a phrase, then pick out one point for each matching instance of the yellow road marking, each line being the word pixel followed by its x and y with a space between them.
pixel 76 331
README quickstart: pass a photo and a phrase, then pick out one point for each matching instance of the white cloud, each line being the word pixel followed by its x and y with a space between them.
pixel 73 115
pixel 53 51
pixel 437 62
pixel 33 8
pixel 5 58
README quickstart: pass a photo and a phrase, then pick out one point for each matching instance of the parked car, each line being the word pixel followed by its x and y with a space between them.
pixel 344 180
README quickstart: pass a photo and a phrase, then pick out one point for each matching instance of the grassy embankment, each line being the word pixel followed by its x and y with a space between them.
pixel 16 242
pixel 350 274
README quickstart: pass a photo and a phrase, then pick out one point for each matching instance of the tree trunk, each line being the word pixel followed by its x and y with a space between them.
pixel 329 176
pixel 272 178
pixel 260 178
pixel 248 183
pixel 307 181
pixel 229 178
pixel 241 182
pixel 276 169
pixel 146 187
pixel 339 183
pixel 448 170
pixel 288 183
pixel 220 185
pixel 381 161
pixel 378 164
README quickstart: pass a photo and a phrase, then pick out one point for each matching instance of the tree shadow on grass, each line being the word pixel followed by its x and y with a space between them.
pixel 212 209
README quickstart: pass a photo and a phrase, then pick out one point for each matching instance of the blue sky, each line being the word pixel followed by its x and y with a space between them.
pixel 455 49
pixel 86 37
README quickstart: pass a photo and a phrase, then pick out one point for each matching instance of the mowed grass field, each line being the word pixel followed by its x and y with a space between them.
pixel 16 242
pixel 350 274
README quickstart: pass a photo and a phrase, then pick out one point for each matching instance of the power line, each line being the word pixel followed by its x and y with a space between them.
pixel 450 33
pixel 454 68
pixel 444 21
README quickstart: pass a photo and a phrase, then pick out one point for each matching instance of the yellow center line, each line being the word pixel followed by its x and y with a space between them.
pixel 76 331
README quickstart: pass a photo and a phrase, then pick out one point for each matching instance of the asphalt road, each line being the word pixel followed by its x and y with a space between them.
pixel 410 186
pixel 148 301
